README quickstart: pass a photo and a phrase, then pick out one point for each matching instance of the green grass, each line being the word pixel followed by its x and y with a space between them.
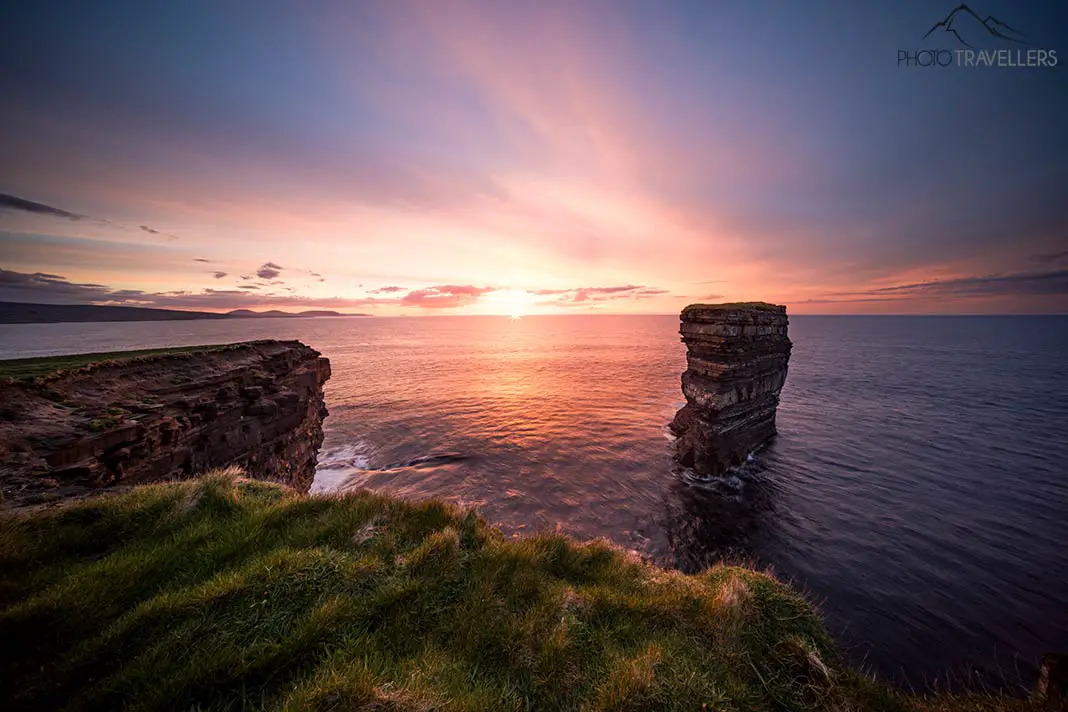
pixel 228 594
pixel 765 306
pixel 25 368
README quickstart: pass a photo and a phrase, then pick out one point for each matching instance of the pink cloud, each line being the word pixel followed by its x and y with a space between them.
pixel 582 295
pixel 446 296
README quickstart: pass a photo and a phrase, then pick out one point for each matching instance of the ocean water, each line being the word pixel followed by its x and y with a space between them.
pixel 917 491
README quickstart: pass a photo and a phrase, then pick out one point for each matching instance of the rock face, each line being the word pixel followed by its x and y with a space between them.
pixel 736 356
pixel 130 421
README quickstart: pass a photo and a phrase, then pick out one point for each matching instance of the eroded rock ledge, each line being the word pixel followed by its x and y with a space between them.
pixel 736 356
pixel 145 419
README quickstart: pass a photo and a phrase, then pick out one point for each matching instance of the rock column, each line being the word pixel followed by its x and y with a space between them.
pixel 736 357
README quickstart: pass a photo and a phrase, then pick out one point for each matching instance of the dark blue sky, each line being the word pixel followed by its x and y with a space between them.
pixel 486 155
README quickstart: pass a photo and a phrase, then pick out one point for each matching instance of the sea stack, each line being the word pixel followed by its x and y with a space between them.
pixel 736 358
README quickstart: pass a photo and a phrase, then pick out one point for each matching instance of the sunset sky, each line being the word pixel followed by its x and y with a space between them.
pixel 447 157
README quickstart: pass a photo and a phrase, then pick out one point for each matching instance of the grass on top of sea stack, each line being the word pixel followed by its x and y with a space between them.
pixel 225 593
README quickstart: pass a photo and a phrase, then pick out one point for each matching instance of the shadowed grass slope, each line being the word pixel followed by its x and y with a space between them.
pixel 228 594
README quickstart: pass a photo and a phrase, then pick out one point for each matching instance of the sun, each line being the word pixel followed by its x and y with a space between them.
pixel 513 303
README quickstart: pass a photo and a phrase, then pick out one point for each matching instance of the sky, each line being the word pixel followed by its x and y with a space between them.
pixel 512 157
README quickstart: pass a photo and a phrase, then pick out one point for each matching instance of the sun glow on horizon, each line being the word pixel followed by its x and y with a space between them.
pixel 513 303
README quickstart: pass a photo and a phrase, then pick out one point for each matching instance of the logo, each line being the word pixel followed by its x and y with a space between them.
pixel 964 28
pixel 961 16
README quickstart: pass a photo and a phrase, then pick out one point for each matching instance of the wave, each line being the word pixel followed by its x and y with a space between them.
pixel 350 456
pixel 338 466
pixel 445 458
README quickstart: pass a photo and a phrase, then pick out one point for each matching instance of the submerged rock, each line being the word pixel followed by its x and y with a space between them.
pixel 131 420
pixel 736 356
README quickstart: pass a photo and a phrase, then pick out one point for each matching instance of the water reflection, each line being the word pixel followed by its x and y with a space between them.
pixel 719 519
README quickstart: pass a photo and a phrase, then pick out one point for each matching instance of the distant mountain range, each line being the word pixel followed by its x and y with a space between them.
pixel 20 313
pixel 249 314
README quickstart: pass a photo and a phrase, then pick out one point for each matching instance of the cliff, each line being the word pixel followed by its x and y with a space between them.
pixel 72 425
pixel 736 357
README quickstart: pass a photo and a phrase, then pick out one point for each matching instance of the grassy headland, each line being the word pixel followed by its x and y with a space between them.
pixel 25 368
pixel 226 593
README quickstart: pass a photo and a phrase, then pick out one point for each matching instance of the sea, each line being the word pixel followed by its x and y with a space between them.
pixel 917 491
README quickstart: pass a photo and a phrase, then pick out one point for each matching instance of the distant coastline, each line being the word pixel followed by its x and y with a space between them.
pixel 22 313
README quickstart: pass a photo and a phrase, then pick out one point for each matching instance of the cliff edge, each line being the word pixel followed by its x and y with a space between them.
pixel 72 425
pixel 736 358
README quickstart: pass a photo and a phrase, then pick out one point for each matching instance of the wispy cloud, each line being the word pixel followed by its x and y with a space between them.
pixel 12 202
pixel 582 295
pixel 446 296
pixel 218 275
pixel 1052 282
pixel 15 203
pixel 1051 257
pixel 41 287
pixel 588 290
pixel 387 290
pixel 153 231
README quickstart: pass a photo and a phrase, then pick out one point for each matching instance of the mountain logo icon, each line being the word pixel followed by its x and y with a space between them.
pixel 963 19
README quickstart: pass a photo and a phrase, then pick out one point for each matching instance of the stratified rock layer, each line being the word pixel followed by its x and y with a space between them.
pixel 130 421
pixel 736 356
